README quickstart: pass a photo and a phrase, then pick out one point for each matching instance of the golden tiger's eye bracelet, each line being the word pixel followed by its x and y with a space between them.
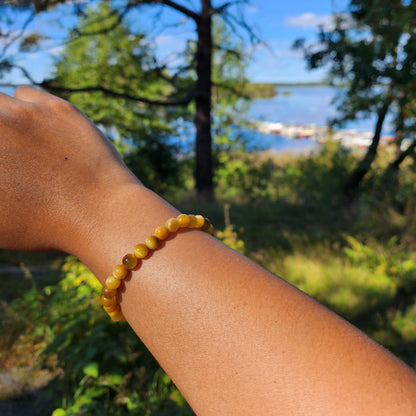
pixel 132 260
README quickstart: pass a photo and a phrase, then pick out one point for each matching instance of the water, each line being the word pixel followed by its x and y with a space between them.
pixel 299 106
pixel 303 105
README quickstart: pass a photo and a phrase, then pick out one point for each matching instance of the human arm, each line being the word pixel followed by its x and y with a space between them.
pixel 234 338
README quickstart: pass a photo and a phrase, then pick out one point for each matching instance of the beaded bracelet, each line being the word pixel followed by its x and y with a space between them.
pixel 141 251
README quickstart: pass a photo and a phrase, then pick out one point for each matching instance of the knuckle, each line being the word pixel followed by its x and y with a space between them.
pixel 22 92
pixel 59 106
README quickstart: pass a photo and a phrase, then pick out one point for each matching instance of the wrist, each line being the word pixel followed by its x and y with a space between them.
pixel 119 218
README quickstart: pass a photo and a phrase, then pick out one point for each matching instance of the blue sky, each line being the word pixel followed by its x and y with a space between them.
pixel 278 23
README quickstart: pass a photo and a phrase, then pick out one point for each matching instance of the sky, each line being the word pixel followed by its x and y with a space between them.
pixel 278 23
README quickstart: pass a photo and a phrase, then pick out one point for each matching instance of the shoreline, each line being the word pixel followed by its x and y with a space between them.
pixel 349 138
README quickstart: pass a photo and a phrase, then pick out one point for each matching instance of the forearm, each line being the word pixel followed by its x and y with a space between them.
pixel 234 338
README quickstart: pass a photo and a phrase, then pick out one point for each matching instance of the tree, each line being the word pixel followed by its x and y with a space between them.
pixel 182 92
pixel 371 53
pixel 121 61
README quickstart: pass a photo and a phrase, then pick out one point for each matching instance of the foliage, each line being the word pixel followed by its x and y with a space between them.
pixel 101 368
pixel 106 369
pixel 261 90
pixel 228 235
pixel 320 177
pixel 315 178
pixel 123 62
pixel 371 52
pixel 245 177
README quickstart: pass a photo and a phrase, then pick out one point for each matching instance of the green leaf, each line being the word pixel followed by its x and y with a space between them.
pixel 91 370
pixel 113 379
pixel 59 412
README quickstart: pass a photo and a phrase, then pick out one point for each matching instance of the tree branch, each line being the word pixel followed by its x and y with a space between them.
pixel 233 52
pixel 402 155
pixel 25 72
pixel 97 88
pixel 232 90
pixel 223 7
pixel 18 35
pixel 182 9
pixel 234 22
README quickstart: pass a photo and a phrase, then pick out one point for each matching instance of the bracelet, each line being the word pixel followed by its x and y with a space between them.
pixel 141 251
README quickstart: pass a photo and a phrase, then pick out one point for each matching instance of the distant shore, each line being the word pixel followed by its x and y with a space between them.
pixel 348 138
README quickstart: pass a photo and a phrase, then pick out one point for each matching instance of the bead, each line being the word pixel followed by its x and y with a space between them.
pixel 200 220
pixel 207 224
pixel 211 230
pixel 108 301
pixel 119 317
pixel 112 282
pixel 183 220
pixel 130 261
pixel 108 293
pixel 140 251
pixel 115 312
pixel 152 242
pixel 172 224
pixel 162 233
pixel 120 271
pixel 111 308
pixel 192 221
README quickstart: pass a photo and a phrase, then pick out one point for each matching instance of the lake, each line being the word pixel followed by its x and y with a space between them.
pixel 302 105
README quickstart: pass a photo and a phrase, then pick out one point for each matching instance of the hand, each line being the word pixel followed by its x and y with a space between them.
pixel 55 166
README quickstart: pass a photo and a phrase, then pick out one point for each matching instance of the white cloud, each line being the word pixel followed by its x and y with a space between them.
pixel 250 9
pixel 280 63
pixel 309 21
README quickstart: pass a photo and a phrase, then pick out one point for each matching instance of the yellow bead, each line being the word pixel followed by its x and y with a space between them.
pixel 115 312
pixel 172 224
pixel 141 251
pixel 120 271
pixel 108 293
pixel 108 301
pixel 119 317
pixel 112 282
pixel 192 221
pixel 183 220
pixel 162 233
pixel 111 308
pixel 152 242
pixel 206 225
pixel 200 220
pixel 129 261
pixel 211 230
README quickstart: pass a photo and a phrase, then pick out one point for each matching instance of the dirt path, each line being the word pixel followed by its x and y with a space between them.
pixel 24 394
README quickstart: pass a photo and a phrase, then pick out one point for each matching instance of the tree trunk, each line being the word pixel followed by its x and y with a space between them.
pixel 353 183
pixel 203 145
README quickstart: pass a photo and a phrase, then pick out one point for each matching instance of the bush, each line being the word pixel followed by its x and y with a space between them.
pixel 101 367
pixel 316 178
